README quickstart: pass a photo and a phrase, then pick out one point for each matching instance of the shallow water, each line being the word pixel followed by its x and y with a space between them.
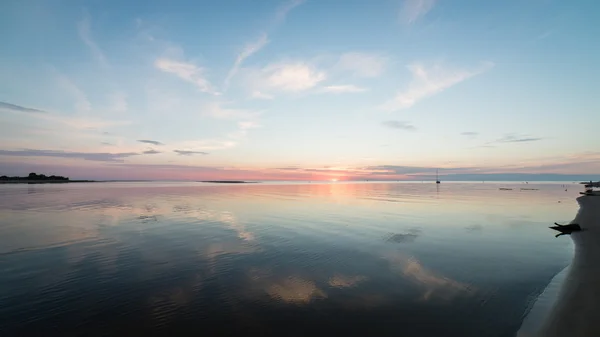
pixel 376 259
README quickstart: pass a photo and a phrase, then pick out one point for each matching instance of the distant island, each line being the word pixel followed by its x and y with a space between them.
pixel 34 178
pixel 229 181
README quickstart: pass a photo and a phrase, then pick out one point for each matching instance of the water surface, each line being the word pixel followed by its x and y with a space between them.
pixel 368 259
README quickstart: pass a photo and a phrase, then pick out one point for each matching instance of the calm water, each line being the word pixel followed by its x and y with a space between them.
pixel 366 259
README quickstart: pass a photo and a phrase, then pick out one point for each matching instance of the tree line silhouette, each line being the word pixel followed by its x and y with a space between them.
pixel 36 177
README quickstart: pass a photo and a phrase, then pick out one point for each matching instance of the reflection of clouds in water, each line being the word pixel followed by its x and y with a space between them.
pixel 227 218
pixel 474 228
pixel 401 238
pixel 345 281
pixel 147 218
pixel 221 248
pixel 433 285
pixel 231 221
pixel 295 290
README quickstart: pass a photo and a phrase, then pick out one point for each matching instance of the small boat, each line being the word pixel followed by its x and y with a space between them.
pixel 505 189
pixel 437 179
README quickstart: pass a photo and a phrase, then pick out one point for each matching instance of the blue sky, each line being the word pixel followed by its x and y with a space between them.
pixel 299 89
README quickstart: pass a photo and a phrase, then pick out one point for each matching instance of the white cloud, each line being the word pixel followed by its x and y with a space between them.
pixel 218 110
pixel 253 47
pixel 412 10
pixel 84 30
pixel 292 77
pixel 430 80
pixel 285 9
pixel 242 131
pixel 343 89
pixel 362 64
pixel 186 71
pixel 260 95
pixel 250 49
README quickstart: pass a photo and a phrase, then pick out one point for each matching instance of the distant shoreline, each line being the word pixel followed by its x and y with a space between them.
pixel 47 181
pixel 229 182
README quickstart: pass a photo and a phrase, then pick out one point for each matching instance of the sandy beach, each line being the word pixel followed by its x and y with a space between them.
pixel 575 311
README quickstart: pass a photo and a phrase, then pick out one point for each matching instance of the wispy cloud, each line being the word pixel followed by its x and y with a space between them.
pixel 469 133
pixel 151 151
pixel 399 125
pixel 343 89
pixel 75 122
pixel 220 111
pixel 93 156
pixel 430 80
pixel 248 50
pixel 18 108
pixel 413 10
pixel 189 153
pixel 362 64
pixel 206 144
pixel 153 142
pixel 84 30
pixel 516 138
pixel 284 10
pixel 257 94
pixel 255 46
pixel 188 72
pixel 407 170
pixel 292 77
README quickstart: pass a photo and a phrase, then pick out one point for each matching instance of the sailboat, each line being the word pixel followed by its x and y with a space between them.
pixel 437 179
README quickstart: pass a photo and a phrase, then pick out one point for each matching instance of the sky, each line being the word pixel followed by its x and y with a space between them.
pixel 300 90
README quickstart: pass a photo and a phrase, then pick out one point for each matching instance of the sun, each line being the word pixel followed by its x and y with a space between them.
pixel 333 179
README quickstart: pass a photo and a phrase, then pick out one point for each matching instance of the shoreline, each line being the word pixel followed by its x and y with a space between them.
pixel 228 182
pixel 47 181
pixel 575 312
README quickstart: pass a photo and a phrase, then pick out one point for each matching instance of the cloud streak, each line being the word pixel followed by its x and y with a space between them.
pixel 153 142
pixel 188 72
pixel 84 30
pixel 248 51
pixel 292 77
pixel 18 108
pixel 515 138
pixel 413 10
pixel 399 125
pixel 428 80
pixel 257 94
pixel 255 46
pixel 284 10
pixel 343 89
pixel 189 153
pixel 93 156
